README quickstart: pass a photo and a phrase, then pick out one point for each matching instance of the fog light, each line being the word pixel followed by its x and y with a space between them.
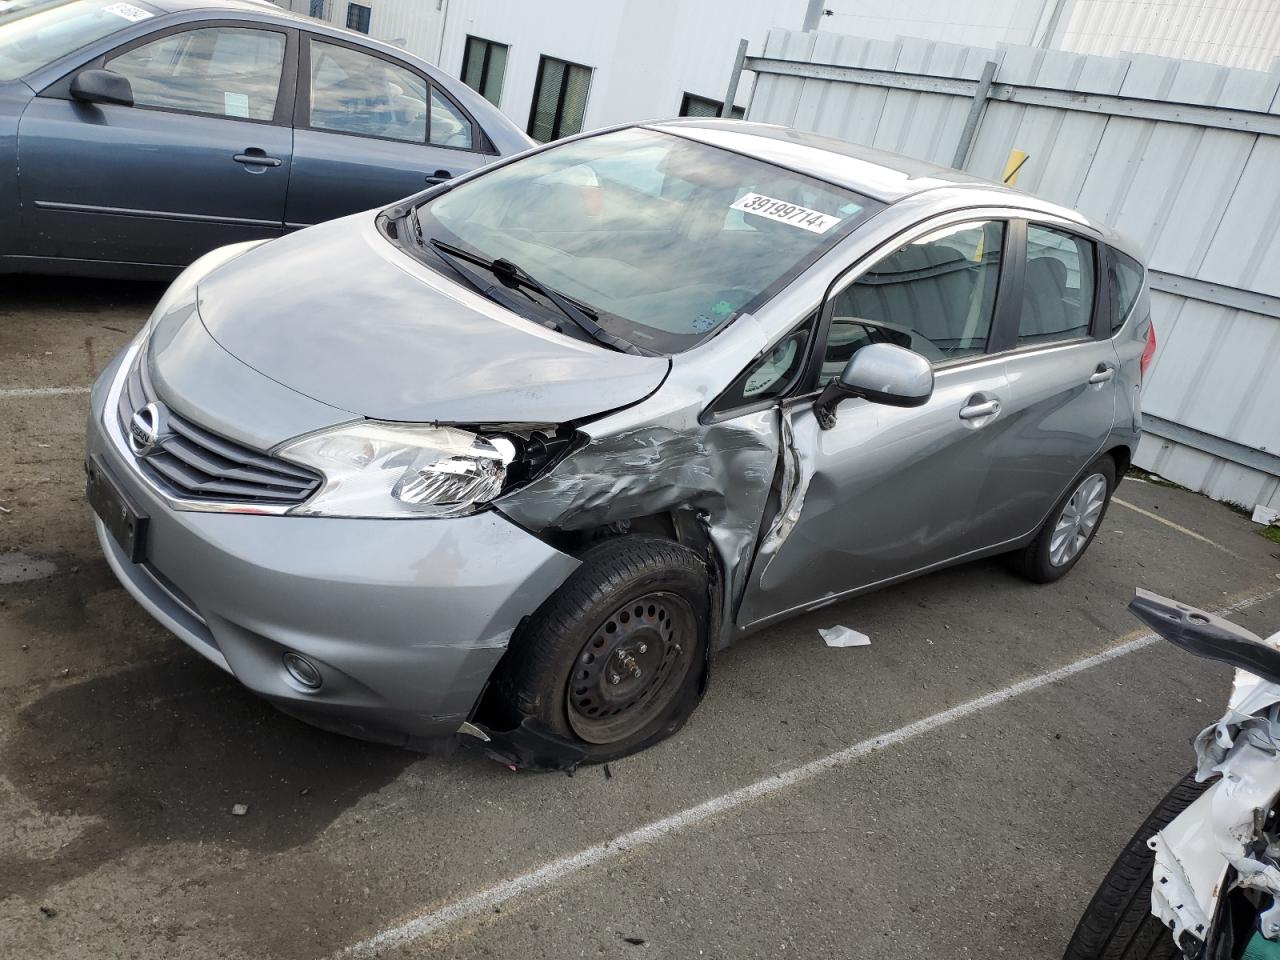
pixel 303 671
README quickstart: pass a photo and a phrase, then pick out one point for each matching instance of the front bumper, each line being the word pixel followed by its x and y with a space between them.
pixel 405 619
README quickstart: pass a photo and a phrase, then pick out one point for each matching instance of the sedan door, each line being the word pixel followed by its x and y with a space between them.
pixel 200 160
pixel 1063 379
pixel 370 130
pixel 890 490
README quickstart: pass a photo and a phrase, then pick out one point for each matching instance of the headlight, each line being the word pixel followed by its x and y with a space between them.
pixel 389 470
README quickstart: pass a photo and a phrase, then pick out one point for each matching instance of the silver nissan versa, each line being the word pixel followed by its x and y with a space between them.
pixel 515 456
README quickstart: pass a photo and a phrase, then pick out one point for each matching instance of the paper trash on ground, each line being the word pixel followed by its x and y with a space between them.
pixel 838 636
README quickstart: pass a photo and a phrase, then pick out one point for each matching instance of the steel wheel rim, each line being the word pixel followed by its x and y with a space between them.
pixel 1076 522
pixel 628 670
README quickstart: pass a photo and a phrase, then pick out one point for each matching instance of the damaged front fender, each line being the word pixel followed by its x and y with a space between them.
pixel 659 458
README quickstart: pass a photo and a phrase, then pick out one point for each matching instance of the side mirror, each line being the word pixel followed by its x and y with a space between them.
pixel 881 373
pixel 102 86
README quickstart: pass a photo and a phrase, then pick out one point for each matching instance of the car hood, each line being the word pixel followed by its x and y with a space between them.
pixel 338 313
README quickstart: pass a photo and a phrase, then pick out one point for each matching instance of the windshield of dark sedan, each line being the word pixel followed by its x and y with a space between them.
pixel 34 33
pixel 667 239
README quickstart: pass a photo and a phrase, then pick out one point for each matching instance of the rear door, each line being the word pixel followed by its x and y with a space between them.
pixel 200 160
pixel 1062 370
pixel 369 130
pixel 894 490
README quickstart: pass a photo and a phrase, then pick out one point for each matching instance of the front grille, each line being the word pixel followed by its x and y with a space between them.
pixel 195 464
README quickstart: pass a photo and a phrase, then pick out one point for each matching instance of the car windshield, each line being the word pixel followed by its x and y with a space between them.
pixel 665 238
pixel 34 33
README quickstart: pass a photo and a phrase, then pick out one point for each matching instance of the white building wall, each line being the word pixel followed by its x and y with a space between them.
pixel 1235 33
pixel 977 22
pixel 644 54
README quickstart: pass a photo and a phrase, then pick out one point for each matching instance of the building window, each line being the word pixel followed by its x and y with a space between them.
pixel 483 65
pixel 695 106
pixel 317 9
pixel 358 17
pixel 559 99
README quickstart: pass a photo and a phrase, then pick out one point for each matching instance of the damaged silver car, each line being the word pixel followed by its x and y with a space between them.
pixel 1200 880
pixel 518 454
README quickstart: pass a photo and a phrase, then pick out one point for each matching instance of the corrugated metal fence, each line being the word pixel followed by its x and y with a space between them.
pixel 1184 157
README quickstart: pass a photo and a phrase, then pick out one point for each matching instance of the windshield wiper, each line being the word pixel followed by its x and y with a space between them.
pixel 512 275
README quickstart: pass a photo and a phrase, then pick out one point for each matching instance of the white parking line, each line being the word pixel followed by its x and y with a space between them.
pixel 1176 526
pixel 13 393
pixel 479 904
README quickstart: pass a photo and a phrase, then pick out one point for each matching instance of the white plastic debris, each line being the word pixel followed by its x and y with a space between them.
pixel 839 636
pixel 1265 515
pixel 239 809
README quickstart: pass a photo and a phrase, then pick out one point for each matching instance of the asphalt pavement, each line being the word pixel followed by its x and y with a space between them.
pixel 955 789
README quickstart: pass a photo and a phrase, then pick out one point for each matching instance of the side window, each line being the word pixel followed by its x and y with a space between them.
pixel 222 71
pixel 770 375
pixel 353 92
pixel 936 296
pixel 449 128
pixel 1125 282
pixel 1058 292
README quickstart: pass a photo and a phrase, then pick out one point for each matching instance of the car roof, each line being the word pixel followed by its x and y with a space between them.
pixel 175 6
pixel 879 174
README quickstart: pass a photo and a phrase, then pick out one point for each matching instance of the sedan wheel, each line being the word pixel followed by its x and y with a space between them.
pixel 1078 519
pixel 626 672
pixel 1062 540
pixel 614 660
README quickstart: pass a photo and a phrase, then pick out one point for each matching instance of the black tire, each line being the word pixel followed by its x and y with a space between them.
pixel 533 680
pixel 1034 561
pixel 1118 924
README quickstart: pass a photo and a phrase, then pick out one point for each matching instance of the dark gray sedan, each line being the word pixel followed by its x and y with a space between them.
pixel 135 136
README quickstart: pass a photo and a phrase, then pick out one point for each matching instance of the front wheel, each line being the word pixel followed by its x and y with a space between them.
pixel 614 659
pixel 1071 527
pixel 1118 923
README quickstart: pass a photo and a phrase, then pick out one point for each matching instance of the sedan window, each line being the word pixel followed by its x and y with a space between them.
pixel 1057 299
pixel 936 296
pixel 34 33
pixel 449 128
pixel 353 92
pixel 223 71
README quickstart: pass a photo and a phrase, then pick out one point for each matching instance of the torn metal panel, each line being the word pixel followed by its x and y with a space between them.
pixel 797 471
pixel 657 457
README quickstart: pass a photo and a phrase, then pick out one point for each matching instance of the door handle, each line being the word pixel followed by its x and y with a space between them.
pixel 254 157
pixel 440 176
pixel 1102 374
pixel 976 411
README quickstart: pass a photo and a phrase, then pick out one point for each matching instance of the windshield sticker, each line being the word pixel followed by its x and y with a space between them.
pixel 791 214
pixel 128 11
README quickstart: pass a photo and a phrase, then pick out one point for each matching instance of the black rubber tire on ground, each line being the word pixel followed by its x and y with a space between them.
pixel 533 678
pixel 1032 561
pixel 1118 924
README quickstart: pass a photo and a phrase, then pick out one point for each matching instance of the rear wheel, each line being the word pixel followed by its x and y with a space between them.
pixel 1118 923
pixel 613 660
pixel 1071 526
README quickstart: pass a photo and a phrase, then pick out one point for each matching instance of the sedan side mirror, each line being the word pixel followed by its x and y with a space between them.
pixel 881 373
pixel 102 86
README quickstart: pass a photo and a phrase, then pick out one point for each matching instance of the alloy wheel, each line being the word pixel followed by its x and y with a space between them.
pixel 1079 516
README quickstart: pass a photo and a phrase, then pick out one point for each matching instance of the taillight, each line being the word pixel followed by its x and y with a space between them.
pixel 1148 351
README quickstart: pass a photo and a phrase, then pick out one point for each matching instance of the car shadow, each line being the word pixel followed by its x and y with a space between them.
pixel 166 750
pixel 77 294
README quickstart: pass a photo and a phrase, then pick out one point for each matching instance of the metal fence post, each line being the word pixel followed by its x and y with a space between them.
pixel 980 94
pixel 734 76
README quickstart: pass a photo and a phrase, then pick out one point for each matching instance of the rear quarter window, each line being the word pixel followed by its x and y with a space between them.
pixel 1124 278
